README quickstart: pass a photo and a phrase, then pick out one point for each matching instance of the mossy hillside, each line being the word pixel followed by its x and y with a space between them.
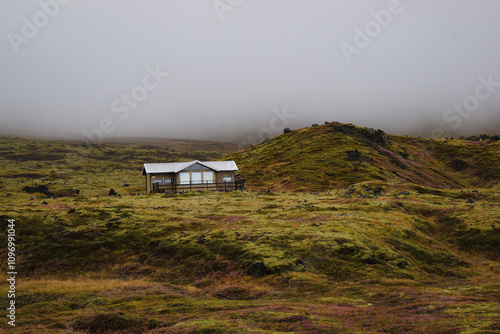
pixel 319 158
pixel 89 168
pixel 168 236
pixel 378 256
pixel 471 162
pixel 280 304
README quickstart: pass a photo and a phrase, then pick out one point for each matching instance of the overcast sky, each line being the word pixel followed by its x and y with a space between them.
pixel 251 67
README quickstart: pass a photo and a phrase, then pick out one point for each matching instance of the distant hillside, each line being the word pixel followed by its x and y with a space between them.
pixel 172 143
pixel 86 167
pixel 338 155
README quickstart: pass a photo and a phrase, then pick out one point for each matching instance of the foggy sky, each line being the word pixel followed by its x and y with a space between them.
pixel 234 66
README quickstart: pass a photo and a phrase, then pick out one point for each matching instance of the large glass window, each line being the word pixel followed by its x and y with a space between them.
pixel 158 181
pixel 196 177
pixel 184 178
pixel 208 177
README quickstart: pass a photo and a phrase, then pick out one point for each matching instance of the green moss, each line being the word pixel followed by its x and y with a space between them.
pixel 395 251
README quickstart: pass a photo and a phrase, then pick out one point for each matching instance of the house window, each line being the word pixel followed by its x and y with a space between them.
pixel 208 177
pixel 227 179
pixel 169 181
pixel 197 167
pixel 196 177
pixel 158 181
pixel 184 178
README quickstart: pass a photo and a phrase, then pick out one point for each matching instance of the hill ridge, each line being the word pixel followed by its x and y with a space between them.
pixel 337 155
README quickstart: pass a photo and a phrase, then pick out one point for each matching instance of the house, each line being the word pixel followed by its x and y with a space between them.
pixel 190 176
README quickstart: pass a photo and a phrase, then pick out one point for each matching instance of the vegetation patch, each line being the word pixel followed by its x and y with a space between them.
pixel 401 239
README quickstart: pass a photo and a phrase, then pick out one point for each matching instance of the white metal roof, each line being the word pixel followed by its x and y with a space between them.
pixel 175 167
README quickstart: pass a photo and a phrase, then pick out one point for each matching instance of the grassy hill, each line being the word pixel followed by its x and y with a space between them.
pixel 385 255
pixel 337 155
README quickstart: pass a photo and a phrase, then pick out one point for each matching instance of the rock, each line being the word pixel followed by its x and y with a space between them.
pixel 112 192
pixel 71 210
pixel 377 136
pixel 287 130
pixel 125 185
pixel 201 240
pixel 45 203
pixel 471 200
pixel 38 189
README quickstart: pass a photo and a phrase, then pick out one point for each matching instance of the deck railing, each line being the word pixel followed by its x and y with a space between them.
pixel 237 184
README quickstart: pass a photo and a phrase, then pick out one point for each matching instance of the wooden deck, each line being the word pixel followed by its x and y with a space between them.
pixel 215 186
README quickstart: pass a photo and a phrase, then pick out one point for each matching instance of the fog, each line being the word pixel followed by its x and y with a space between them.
pixel 242 70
